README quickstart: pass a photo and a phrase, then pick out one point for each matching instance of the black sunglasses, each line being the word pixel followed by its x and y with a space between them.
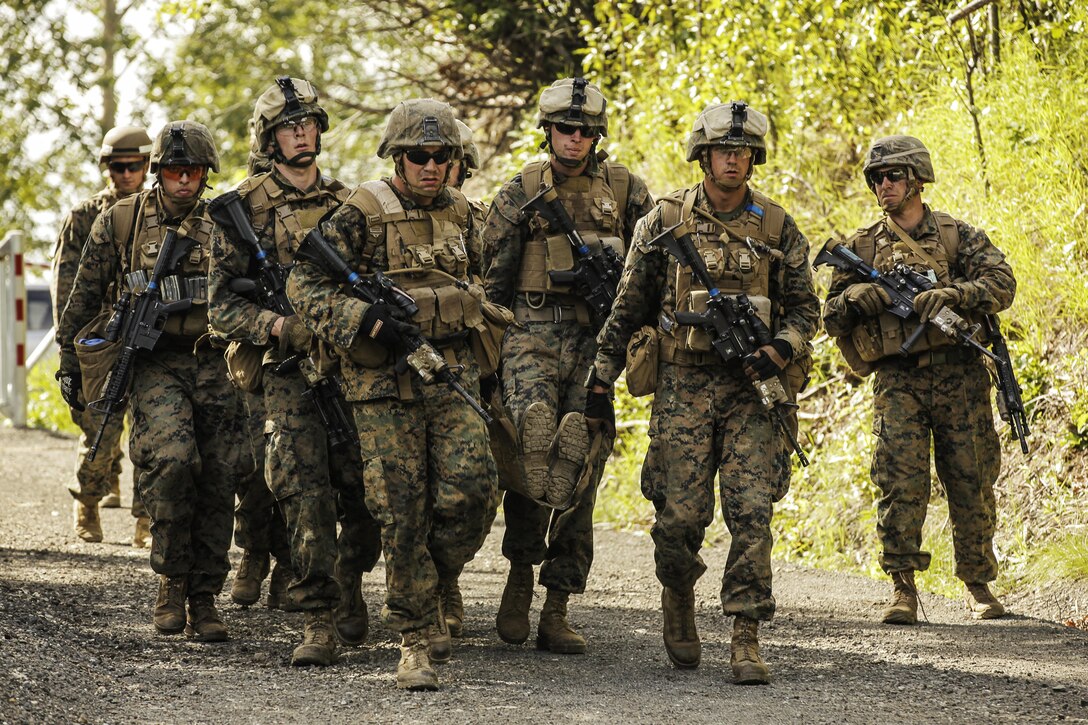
pixel 876 178
pixel 420 157
pixel 568 130
pixel 120 167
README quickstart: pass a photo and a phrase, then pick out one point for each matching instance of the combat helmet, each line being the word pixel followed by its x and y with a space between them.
pixel 472 154
pixel 124 141
pixel 289 99
pixel 906 151
pixel 184 143
pixel 420 122
pixel 730 124
pixel 574 101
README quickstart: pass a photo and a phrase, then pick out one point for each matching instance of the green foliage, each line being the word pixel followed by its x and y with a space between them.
pixel 46 409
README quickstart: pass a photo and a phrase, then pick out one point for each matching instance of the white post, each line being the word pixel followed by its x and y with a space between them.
pixel 12 329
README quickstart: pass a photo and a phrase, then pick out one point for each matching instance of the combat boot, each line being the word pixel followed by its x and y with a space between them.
pixel 438 634
pixel 554 632
pixel 903 609
pixel 318 640
pixel 449 592
pixel 512 621
pixel 112 500
pixel 982 603
pixel 277 588
pixel 681 639
pixel 537 435
pixel 88 524
pixel 169 616
pixel 350 618
pixel 748 667
pixel 141 537
pixel 252 570
pixel 204 623
pixel 414 671
pixel 568 458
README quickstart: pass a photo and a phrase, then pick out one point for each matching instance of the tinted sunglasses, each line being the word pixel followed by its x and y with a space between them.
pixel 568 130
pixel 120 167
pixel 420 157
pixel 174 173
pixel 876 178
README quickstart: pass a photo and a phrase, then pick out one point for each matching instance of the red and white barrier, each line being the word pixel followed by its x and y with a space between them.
pixel 13 329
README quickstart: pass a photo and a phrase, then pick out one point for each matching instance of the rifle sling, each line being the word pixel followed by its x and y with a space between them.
pixel 912 245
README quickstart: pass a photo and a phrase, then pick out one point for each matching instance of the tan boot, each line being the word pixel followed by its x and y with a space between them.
pixel 568 458
pixel 903 608
pixel 88 524
pixel 318 640
pixel 982 603
pixel 278 598
pixel 748 667
pixel 350 618
pixel 537 434
pixel 449 591
pixel 112 500
pixel 438 634
pixel 252 570
pixel 681 639
pixel 141 536
pixel 513 618
pixel 169 616
pixel 554 632
pixel 414 671
pixel 204 623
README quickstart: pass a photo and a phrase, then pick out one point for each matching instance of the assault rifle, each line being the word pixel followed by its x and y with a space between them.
pixel 735 330
pixel 596 273
pixel 269 290
pixel 1009 401
pixel 903 284
pixel 137 321
pixel 420 356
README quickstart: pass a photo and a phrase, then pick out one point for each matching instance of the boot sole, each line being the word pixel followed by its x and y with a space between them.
pixel 537 432
pixel 560 649
pixel 988 614
pixel 682 664
pixel 244 601
pixel 169 630
pixel 899 619
pixel 572 448
pixel 218 637
pixel 312 656
pixel 419 683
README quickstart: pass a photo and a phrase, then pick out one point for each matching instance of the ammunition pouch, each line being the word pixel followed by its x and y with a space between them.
pixel 97 356
pixel 486 337
pixel 245 365
pixel 642 360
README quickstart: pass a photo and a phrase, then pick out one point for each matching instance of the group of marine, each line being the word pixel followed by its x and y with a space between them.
pixel 337 373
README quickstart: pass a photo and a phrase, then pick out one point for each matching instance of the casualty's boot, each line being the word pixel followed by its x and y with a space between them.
pixel 903 609
pixel 277 588
pixel 112 500
pixel 318 640
pixel 169 616
pixel 414 671
pixel 252 570
pixel 982 603
pixel 748 667
pixel 88 524
pixel 438 634
pixel 204 623
pixel 537 434
pixel 350 618
pixel 512 621
pixel 554 632
pixel 141 536
pixel 568 458
pixel 449 593
pixel 681 639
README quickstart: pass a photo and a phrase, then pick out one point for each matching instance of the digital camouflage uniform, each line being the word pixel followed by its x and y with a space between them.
pixel 310 480
pixel 707 418
pixel 544 360
pixel 940 390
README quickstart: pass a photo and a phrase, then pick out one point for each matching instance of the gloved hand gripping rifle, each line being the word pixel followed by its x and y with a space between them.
pixel 735 330
pixel 596 273
pixel 269 289
pixel 420 355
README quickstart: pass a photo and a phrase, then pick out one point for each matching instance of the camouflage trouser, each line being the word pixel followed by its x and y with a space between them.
pixel 315 485
pixel 96 479
pixel 709 420
pixel 188 439
pixel 545 361
pixel 431 483
pixel 258 524
pixel 952 401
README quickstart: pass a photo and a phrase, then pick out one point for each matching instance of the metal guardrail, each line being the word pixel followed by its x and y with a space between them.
pixel 13 358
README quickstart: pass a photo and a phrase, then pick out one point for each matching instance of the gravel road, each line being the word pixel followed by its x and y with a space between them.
pixel 77 645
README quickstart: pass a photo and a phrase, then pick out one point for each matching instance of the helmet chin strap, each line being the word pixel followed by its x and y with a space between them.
pixel 708 170
pixel 298 161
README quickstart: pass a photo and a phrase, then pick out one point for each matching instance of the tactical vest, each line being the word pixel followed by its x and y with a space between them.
pixel 598 206
pixel 879 337
pixel 736 265
pixel 139 234
pixel 292 217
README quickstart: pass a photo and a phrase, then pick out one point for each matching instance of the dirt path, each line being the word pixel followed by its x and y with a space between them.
pixel 76 644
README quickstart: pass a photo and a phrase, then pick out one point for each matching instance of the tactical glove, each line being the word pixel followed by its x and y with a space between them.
pixel 294 335
pixel 489 384
pixel 927 304
pixel 768 360
pixel 867 298
pixel 599 411
pixel 381 323
pixel 71 389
